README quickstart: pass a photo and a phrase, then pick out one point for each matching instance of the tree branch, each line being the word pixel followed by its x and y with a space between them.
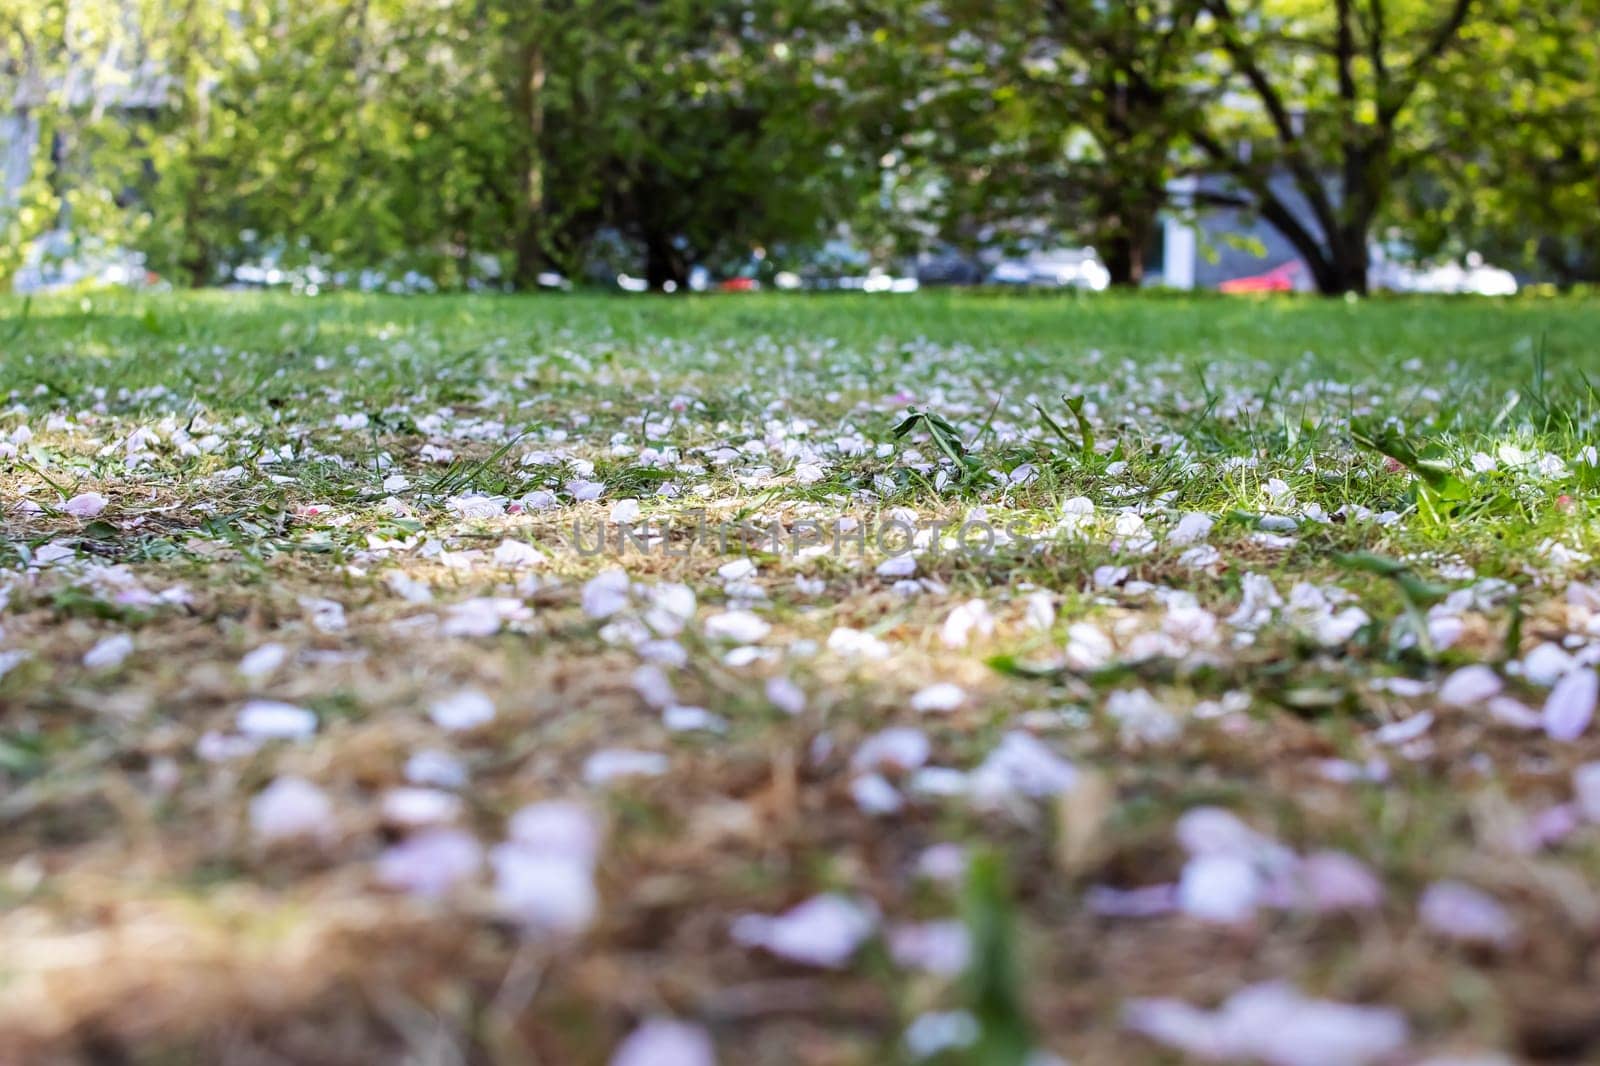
pixel 1244 62
pixel 1441 38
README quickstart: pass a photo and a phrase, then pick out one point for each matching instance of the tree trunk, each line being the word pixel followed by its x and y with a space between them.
pixel 1124 259
pixel 528 245
pixel 1124 249
pixel 666 267
pixel 1348 260
pixel 1341 275
pixel 1338 261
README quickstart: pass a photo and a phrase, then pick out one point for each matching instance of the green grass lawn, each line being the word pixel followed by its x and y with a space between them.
pixel 487 679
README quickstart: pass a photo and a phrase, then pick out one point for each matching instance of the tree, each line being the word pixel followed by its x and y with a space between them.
pixel 1513 169
pixel 1062 117
pixel 1330 96
pixel 731 135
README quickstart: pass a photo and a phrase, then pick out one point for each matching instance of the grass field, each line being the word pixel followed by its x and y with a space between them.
pixel 852 680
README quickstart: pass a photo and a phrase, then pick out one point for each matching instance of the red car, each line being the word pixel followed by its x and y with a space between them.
pixel 1279 279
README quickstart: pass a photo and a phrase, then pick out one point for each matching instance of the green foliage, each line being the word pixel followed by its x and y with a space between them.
pixel 467 141
pixel 1085 442
pixel 1512 165
pixel 945 437
pixel 483 142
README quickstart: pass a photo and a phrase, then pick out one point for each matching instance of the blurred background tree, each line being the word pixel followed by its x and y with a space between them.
pixel 494 142
pixel 1512 168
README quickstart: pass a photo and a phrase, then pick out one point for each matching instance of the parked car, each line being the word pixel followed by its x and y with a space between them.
pixel 1285 277
pixel 1394 269
pixel 949 269
pixel 1064 268
pixel 57 260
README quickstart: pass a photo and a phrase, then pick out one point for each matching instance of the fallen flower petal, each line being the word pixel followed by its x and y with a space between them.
pixel 291 808
pixel 1458 911
pixel 1570 706
pixel 665 1042
pixel 824 931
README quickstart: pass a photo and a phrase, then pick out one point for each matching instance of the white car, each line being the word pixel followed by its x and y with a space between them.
pixel 1472 276
pixel 1061 268
pixel 57 261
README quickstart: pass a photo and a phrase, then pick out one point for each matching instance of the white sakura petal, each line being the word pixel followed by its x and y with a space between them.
pixel 897 566
pixel 430 864
pixel 874 795
pixel 856 643
pixel 262 661
pixel 217 747
pixel 1586 789
pixel 291 808
pixel 1040 610
pixel 675 601
pixel 1546 664
pixel 936 1032
pixel 478 508
pixel 1459 911
pixel 85 505
pixel 413 590
pixel 414 807
pixel 1088 647
pixel 625 511
pixel 611 764
pixel 737 570
pixel 1141 718
pixel 1217 831
pixel 679 719
pixel 966 621
pixel 1147 901
pixel 1272 1023
pixel 1470 685
pixel 1219 888
pixel 940 781
pixel 1336 881
pixel 274 720
pixel 824 931
pixel 1405 730
pixel 438 769
pixel 939 947
pixel 809 473
pixel 538 500
pixel 327 616
pixel 1191 529
pixel 462 711
pixel 940 696
pixel 109 652
pixel 1176 1024
pixel 605 594
pixel 740 627
pixel 666 1042
pixel 785 695
pixel 516 554
pixel 1514 713
pixel 896 748
pixel 1275 1024
pixel 652 685
pixel 557 827
pixel 942 862
pixel 544 893
pixel 1021 765
pixel 54 552
pixel 1570 705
